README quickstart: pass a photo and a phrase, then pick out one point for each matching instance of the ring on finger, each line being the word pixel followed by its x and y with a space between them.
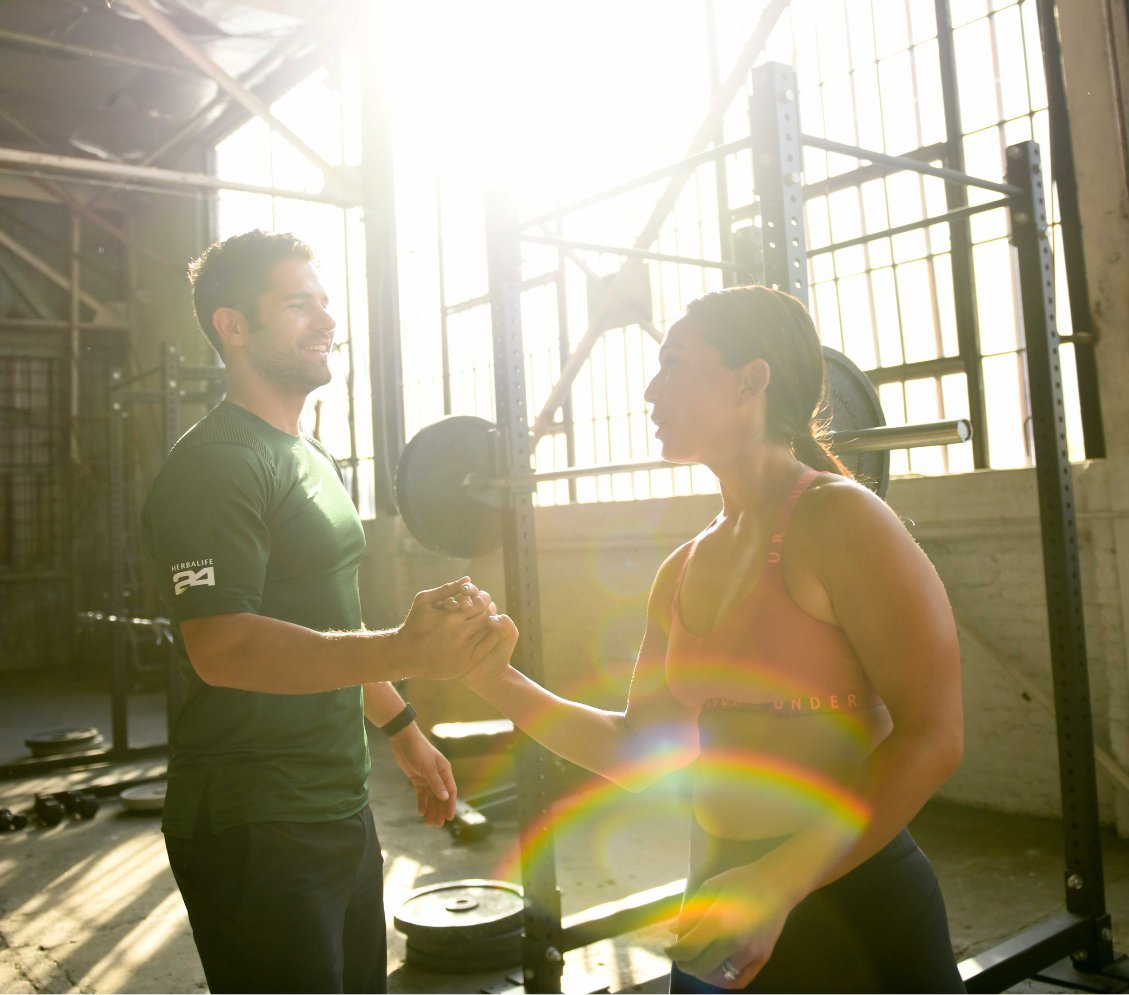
pixel 729 970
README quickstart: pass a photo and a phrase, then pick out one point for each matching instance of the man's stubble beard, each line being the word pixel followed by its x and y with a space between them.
pixel 284 370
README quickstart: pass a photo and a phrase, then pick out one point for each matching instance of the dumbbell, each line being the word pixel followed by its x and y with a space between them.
pixel 11 821
pixel 468 824
pixel 50 808
pixel 80 804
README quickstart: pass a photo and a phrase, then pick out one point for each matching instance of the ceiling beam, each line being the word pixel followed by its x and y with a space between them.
pixel 44 162
pixel 101 311
pixel 170 33
pixel 285 65
pixel 16 39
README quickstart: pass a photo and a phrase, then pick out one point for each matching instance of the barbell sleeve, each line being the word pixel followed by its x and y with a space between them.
pixel 863 440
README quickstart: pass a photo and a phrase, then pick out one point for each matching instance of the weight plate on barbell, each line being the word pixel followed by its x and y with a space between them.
pixel 434 502
pixel 852 403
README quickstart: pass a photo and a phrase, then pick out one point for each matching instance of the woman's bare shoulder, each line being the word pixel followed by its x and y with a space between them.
pixel 836 511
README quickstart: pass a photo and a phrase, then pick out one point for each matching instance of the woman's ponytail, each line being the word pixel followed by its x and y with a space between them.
pixel 810 447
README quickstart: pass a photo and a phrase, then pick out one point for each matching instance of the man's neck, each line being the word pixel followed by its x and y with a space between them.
pixel 280 410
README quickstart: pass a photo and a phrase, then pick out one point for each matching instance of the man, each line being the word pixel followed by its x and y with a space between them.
pixel 257 545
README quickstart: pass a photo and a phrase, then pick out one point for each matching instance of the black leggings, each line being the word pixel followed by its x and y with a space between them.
pixel 879 928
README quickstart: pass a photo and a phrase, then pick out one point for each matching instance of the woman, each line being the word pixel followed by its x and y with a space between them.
pixel 799 652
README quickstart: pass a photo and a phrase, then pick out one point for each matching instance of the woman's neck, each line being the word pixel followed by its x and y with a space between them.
pixel 756 483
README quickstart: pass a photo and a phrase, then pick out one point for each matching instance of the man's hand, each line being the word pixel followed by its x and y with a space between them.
pixel 450 629
pixel 429 771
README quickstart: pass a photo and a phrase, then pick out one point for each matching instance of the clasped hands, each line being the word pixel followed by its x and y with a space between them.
pixel 456 628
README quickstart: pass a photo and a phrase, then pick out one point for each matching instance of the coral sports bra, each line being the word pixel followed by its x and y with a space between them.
pixel 766 653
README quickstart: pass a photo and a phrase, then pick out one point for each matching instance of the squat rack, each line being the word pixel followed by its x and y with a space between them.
pixel 169 395
pixel 1083 932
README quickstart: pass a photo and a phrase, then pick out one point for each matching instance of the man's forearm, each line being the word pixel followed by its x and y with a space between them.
pixel 448 630
pixel 255 653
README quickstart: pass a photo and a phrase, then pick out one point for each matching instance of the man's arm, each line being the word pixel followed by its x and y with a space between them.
pixel 243 650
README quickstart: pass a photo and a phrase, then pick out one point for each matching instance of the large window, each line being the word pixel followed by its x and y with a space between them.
pixel 560 103
pixel 925 312
pixel 323 109
pixel 872 74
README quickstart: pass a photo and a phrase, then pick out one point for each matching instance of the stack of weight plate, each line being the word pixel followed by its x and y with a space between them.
pixel 462 927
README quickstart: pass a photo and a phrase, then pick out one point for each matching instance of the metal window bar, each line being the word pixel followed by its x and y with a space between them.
pixel 670 286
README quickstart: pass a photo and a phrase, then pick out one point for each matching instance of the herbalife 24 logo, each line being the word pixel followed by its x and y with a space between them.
pixel 193 573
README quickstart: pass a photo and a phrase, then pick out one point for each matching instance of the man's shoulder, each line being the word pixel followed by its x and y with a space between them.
pixel 223 427
pixel 219 451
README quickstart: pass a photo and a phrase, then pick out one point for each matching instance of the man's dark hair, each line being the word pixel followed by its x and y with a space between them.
pixel 236 272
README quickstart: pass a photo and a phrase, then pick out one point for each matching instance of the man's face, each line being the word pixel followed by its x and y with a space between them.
pixel 291 335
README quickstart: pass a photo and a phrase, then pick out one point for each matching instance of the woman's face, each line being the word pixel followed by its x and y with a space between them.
pixel 695 397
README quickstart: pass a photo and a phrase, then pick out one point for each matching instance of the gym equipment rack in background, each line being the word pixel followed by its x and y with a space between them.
pixel 170 395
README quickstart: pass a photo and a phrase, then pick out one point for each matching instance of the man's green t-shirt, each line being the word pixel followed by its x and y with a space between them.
pixel 245 518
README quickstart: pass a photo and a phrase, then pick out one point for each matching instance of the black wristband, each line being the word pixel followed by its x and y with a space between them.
pixel 402 720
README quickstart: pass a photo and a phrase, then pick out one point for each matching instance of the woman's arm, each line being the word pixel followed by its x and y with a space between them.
pixel 653 736
pixel 890 602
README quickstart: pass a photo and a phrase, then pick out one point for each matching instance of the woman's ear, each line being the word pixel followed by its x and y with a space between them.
pixel 755 377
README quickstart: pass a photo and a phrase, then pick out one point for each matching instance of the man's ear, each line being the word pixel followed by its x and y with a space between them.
pixel 755 377
pixel 230 324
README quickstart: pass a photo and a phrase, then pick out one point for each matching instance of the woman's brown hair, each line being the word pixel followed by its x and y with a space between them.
pixel 755 322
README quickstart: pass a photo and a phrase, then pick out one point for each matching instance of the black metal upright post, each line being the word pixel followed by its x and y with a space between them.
pixel 778 164
pixel 1085 888
pixel 172 388
pixel 381 265
pixel 960 241
pixel 542 959
pixel 119 604
pixel 1077 280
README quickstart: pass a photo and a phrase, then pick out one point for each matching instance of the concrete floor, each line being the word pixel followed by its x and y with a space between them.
pixel 90 906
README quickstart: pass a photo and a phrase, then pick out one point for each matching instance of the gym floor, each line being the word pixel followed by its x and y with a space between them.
pixel 90 906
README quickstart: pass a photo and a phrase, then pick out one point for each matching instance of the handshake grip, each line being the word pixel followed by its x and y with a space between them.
pixel 454 630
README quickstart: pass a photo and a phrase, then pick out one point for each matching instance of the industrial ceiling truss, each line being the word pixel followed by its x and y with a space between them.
pixel 100 101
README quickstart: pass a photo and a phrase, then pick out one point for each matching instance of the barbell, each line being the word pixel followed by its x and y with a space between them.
pixel 451 499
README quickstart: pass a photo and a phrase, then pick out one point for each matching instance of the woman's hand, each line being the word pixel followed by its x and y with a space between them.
pixel 497 661
pixel 728 930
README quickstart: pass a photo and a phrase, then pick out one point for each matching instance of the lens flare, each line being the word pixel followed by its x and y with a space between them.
pixel 811 794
